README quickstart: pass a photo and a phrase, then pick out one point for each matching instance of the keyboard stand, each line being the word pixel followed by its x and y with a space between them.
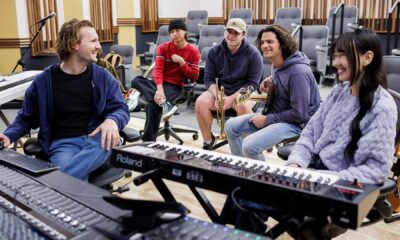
pixel 292 223
pixel 168 196
pixel 206 204
pixel 163 189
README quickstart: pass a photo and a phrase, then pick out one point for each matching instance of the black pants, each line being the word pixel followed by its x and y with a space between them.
pixel 153 111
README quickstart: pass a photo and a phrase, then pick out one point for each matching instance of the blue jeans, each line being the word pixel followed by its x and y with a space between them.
pixel 78 156
pixel 246 140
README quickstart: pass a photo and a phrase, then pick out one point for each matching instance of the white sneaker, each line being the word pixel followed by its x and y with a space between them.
pixel 168 110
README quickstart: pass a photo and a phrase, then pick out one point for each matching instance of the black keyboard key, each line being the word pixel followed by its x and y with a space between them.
pixel 26 163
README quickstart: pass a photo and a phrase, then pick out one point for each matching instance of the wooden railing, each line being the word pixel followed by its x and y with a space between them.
pixel 100 13
pixel 101 17
pixel 149 13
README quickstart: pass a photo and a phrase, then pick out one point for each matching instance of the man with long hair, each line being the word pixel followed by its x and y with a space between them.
pixel 295 100
pixel 81 107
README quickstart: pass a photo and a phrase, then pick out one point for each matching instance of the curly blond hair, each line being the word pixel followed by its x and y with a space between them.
pixel 69 37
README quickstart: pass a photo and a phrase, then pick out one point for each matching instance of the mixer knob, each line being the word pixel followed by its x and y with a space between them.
pixel 55 211
pixel 74 223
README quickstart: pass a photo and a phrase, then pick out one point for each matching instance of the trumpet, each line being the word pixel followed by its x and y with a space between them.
pixel 221 112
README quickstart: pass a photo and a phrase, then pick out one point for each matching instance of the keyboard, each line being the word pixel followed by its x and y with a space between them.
pixel 25 163
pixel 296 190
pixel 15 85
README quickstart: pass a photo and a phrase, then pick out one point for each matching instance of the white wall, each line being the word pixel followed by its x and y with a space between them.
pixel 136 9
pixel 86 10
pixel 22 18
pixel 179 8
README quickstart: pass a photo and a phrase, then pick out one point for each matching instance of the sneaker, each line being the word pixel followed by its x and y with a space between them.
pixel 167 110
pixel 209 146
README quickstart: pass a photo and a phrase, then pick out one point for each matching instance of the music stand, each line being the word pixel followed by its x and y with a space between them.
pixel 19 62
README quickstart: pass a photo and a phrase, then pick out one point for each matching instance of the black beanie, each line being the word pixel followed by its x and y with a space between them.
pixel 176 24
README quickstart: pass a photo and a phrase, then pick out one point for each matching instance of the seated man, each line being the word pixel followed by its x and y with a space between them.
pixel 76 104
pixel 237 64
pixel 296 98
pixel 175 61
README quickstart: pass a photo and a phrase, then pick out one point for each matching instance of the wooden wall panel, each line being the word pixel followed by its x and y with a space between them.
pixel 149 13
pixel 371 13
pixel 45 41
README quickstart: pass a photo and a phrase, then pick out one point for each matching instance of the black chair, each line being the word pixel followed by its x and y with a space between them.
pixel 243 13
pixel 391 65
pixel 168 130
pixel 349 19
pixel 197 88
pixel 252 32
pixel 163 36
pixel 124 70
pixel 315 46
pixel 194 21
pixel 210 35
pixel 288 16
pixel 102 177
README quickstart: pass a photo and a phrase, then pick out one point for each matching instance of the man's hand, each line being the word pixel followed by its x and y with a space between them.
pixel 263 85
pixel 229 101
pixel 259 121
pixel 159 96
pixel 109 134
pixel 178 59
pixel 5 140
pixel 294 165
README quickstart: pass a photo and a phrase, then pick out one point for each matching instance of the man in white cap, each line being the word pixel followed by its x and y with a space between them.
pixel 237 64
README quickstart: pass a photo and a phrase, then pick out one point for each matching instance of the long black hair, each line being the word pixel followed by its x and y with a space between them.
pixel 368 78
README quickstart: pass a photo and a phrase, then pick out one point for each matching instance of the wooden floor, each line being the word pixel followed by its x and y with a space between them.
pixel 182 193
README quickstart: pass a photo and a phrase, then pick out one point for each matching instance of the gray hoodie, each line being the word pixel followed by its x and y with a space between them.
pixel 297 97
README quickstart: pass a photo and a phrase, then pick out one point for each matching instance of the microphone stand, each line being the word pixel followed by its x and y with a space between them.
pixel 19 62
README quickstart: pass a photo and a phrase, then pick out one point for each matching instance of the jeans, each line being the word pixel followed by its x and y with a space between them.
pixel 246 140
pixel 78 156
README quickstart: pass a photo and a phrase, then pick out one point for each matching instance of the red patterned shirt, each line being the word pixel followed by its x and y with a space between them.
pixel 166 70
